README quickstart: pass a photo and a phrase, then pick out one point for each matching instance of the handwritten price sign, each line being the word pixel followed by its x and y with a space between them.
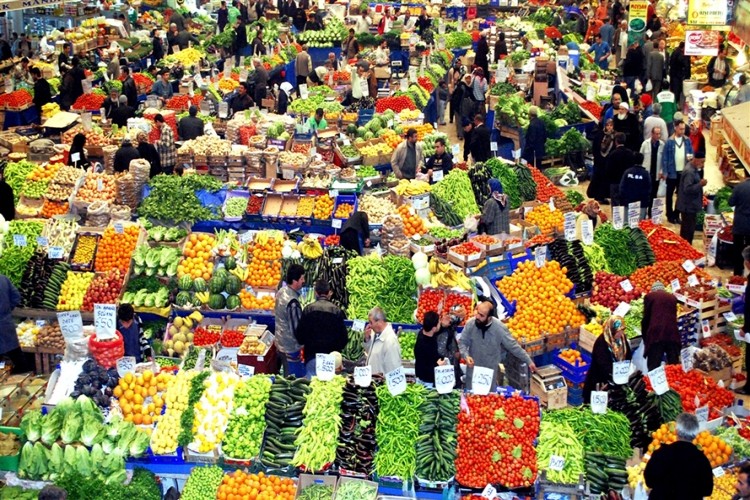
pixel 71 324
pixel 105 320
pixel 396 381
pixel 445 379
pixel 599 401
pixel 325 366
pixel 481 380
pixel 363 376
pixel 658 378
pixel 621 372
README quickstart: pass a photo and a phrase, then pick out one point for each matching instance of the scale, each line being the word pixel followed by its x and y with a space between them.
pixel 397 69
pixel 549 386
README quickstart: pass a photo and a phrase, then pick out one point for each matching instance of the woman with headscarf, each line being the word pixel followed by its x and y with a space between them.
pixel 495 218
pixel 482 57
pixel 603 143
pixel 77 154
pixel 611 347
pixel 285 97
pixel 148 152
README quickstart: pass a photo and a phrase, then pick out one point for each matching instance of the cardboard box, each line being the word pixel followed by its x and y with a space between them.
pixel 306 480
pixel 725 375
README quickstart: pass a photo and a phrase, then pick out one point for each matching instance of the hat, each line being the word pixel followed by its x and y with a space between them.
pixel 647 100
pixel 678 117
pixel 625 105
pixel 495 186
pixel 657 286
pixel 465 121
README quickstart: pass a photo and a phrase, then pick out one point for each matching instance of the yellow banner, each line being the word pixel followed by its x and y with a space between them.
pixel 707 13
pixel 638 15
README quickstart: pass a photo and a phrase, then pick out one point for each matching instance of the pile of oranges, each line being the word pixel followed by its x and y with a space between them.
pixel 141 396
pixel 344 210
pixel 545 219
pixel 413 224
pixel 239 485
pixel 542 305
pixel 250 301
pixel 323 207
pixel 44 172
pixel 716 449
pixel 573 357
pixel 196 261
pixel 115 249
pixel 265 267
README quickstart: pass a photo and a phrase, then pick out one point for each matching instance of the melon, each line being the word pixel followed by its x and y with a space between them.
pixel 200 285
pixel 233 285
pixel 233 302
pixel 217 284
pixel 183 299
pixel 185 283
pixel 230 263
pixel 216 301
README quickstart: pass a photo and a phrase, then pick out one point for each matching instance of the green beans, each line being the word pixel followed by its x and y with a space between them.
pixel 317 492
pixel 455 189
pixel 397 430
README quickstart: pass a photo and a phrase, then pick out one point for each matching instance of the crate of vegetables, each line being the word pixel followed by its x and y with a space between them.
pixel 424 244
pixel 346 204
pixel 491 245
pixel 465 254
pixel 235 205
pixel 255 204
pixel 84 251
pixel 349 153
pixel 208 332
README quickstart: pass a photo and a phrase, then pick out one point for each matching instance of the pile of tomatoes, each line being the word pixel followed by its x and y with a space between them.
pixel 695 388
pixel 544 187
pixel 232 338
pixel 666 244
pixel 496 441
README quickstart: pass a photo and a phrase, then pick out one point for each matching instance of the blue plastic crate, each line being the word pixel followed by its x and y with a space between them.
pixel 575 396
pixel 575 374
pixel 345 198
pixel 517 259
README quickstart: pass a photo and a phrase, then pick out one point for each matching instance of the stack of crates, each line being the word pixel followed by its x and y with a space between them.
pixel 688 324
pixel 574 375
pixel 517 373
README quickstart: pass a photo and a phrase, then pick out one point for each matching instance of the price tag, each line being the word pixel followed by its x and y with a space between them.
pixel 55 253
pixel 369 184
pixel 626 285
pixel 634 209
pixel 633 222
pixel 346 142
pixel 86 84
pixel 358 325
pixel 618 213
pixel 587 232
pixel 303 92
pixel 71 324
pixel 325 366
pixel 540 255
pixel 686 359
pixel 40 323
pixel 675 283
pixel 99 184
pixel 493 146
pixel 336 223
pixel 622 309
pixel 599 400
pixel 730 316
pixel 412 74
pixel 105 321
pixel 551 204
pixel 337 260
pixel 228 66
pixel 246 370
pixel 455 150
pixel 437 175
pixel 175 49
pixel 658 378
pixel 333 193
pixel 416 237
pixel 125 365
pixel 227 354
pixel 693 280
pixel 118 228
pixel 688 266
pixel 8 85
pixel 445 379
pixel 223 109
pixel 657 210
pixel 243 75
pixel 621 372
pixel 705 329
pixel 556 463
pixel 489 491
pixel 396 381
pixel 702 414
pixel 245 238
pixel 42 241
pixel 717 472
pixel 570 226
pixel 363 376
pixel 19 240
pixel 481 380
pixel 75 157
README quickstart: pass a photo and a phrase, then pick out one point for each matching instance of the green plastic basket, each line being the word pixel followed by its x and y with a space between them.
pixel 10 463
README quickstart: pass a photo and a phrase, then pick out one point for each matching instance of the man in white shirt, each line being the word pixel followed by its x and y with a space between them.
pixel 652 150
pixel 381 344
pixel 410 22
pixel 362 24
pixel 655 121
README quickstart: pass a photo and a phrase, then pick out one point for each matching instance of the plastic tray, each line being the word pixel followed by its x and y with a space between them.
pixel 234 194
pixel 575 374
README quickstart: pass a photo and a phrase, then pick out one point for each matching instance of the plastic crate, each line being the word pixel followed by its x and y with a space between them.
pixel 10 463
pixel 345 198
pixel 517 259
pixel 575 374
pixel 575 396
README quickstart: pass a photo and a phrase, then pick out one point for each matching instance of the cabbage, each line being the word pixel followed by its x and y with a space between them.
pixel 422 276
pixel 139 444
pixel 71 429
pixel 419 260
pixel 51 426
pixel 25 462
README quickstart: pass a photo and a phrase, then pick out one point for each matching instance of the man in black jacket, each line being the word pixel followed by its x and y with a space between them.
pixel 620 160
pixel 190 126
pixel 121 114
pixel 42 91
pixel 479 146
pixel 128 88
pixel 321 328
pixel 745 256
pixel 635 185
pixel 740 200
pixel 536 138
pixel 627 123
pixel 634 65
pixel 124 155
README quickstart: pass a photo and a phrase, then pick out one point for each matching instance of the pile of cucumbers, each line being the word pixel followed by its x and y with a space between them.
pixel 605 473
pixel 283 418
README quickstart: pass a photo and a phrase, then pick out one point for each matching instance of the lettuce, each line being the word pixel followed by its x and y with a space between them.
pixel 97 455
pixel 139 444
pixel 93 431
pixel 69 454
pixel 56 463
pixel 71 429
pixel 51 426
pixel 116 478
pixel 25 462
pixel 39 460
pixel 86 406
pixel 31 425
pixel 83 462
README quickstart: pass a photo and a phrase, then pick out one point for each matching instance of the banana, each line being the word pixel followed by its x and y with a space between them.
pixel 196 316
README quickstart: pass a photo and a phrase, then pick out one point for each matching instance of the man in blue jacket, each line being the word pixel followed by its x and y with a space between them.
pixel 677 153
pixel 636 186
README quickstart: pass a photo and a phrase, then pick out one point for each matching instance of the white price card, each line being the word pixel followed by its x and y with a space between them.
pixel 99 184
pixel 445 379
pixel 19 240
pixel 55 253
pixel 633 222
pixel 455 150
pixel 396 381
pixel 540 255
pixel 599 401
pixel 686 359
pixel 223 109
pixel 621 372
pixel 86 84
pixel 587 232
pixel 570 226
pixel 706 328
pixel 363 376
pixel 658 378
pixel 693 280
pixel 198 79
pixel 493 146
pixel 71 324
pixel 657 210
pixel 246 370
pixel 358 325
pixel 126 364
pixel 325 366
pixel 481 380
pixel 336 223
pixel 227 354
pixel 42 241
pixel 551 204
pixel 717 472
pixel 675 283
pixel 118 228
pixel 412 74
pixel 40 323
pixel 556 463
pixel 245 238
pixel 489 491
pixel 730 316
pixel 243 75
pixel 621 309
pixel 634 209
pixel 702 414
pixel 75 157
pixel 303 92
pixel 437 175
pixel 626 285
pixel 618 214
pixel 337 260
pixel 688 266
pixel 105 321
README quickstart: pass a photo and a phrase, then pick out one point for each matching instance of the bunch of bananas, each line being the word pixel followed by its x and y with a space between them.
pixel 49 110
pixel 443 274
pixel 241 272
pixel 262 237
pixel 412 187
pixel 202 297
pixel 310 247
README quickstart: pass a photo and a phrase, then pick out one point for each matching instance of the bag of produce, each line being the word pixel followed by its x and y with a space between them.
pixel 98 214
pixel 107 352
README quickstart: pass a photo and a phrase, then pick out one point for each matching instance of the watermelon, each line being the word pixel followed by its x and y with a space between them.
pixel 233 302
pixel 233 285
pixel 183 299
pixel 217 284
pixel 185 283
pixel 216 301
pixel 221 273
pixel 230 263
pixel 200 285
pixel 369 135
pixel 361 131
pixel 351 129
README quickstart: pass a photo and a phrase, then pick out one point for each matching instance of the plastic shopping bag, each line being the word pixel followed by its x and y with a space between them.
pixel 649 86
pixel 662 190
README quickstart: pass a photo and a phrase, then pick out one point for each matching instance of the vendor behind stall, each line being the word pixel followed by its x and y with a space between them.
pixel 355 233
pixel 162 87
pixel 317 122
pixel 121 114
pixel 129 326
pixel 190 127
pixel 441 161
pixel 611 347
pixel 128 87
pixel 242 100
pixel 42 91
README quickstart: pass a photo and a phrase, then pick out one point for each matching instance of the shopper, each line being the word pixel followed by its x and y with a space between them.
pixel 454 80
pixel 659 327
pixel 669 103
pixel 680 469
pixel 122 113
pixel 7 208
pixel 609 348
pixel 620 44
pixel 190 127
pixel 284 98
pixel 439 164
pixel 495 218
pixel 678 151
pixel 619 161
pixel 626 122
pixel 124 156
pixel 679 70
pixel 536 138
pixel 479 145
pixel 9 346
pixel 603 144
pixel 165 145
pixel 129 326
pixel 652 150
pixel 381 344
pixel 239 45
pixel 740 200
pixel 72 88
pixel 655 121
pixel 77 153
pixel 501 47
pixel 241 101
pixel 647 107
pixel 743 483
pixel 464 96
pixel 426 355
pixel 656 67
pixel 148 152
pixel 260 81
pixel 690 195
pixel 482 57
pixel 743 94
pixel 288 312
pixel 447 341
pixel 479 88
pixel 635 186
pixel 408 156
pixel 634 64
pixel 485 342
pixel 718 69
pixel 302 66
pixel 50 492
pixel 355 233
pixel 350 46
pixel 321 328
pixel 162 87
pixel 42 91
pixel 442 103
